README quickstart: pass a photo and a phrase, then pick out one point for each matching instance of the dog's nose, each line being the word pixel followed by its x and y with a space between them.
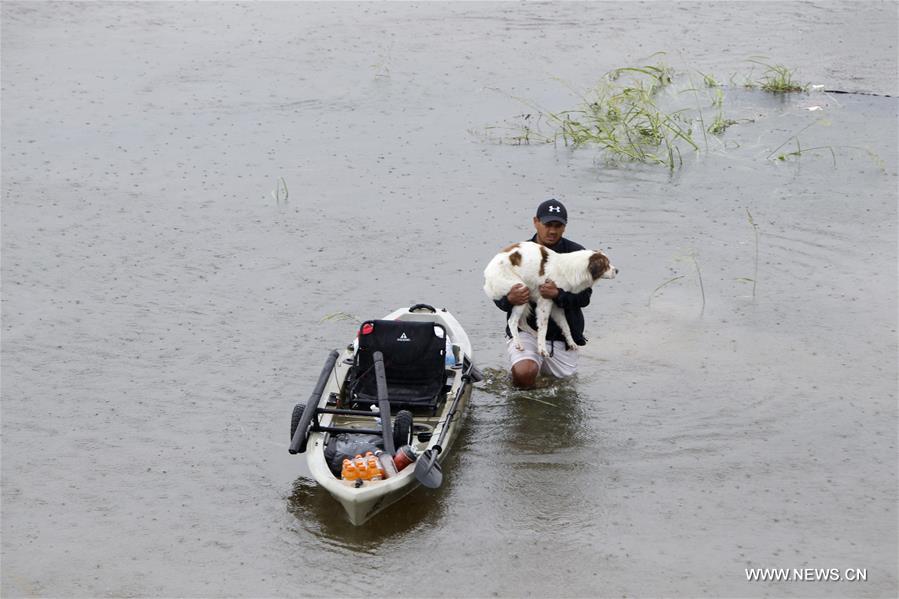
pixel 616 271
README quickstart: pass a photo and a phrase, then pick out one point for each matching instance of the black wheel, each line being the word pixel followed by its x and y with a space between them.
pixel 402 429
pixel 295 419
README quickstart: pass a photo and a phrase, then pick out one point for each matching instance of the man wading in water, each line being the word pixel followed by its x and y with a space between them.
pixel 550 224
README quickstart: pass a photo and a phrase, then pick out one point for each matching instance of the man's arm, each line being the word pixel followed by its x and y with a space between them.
pixel 518 295
pixel 567 299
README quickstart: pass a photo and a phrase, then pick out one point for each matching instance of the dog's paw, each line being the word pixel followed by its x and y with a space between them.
pixel 543 352
pixel 519 347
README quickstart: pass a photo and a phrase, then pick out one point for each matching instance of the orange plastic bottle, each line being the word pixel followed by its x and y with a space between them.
pixel 349 470
pixel 374 467
pixel 362 468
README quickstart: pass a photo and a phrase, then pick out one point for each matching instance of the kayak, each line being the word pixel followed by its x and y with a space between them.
pixel 386 410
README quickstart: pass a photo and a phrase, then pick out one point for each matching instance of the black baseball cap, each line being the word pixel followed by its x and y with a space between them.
pixel 552 211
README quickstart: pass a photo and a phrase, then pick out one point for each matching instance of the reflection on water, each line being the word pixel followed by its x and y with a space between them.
pixel 318 513
pixel 547 418
pixel 542 454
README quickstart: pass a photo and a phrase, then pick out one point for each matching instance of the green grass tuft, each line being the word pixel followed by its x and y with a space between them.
pixel 622 116
pixel 755 228
pixel 777 79
pixel 720 124
pixel 630 115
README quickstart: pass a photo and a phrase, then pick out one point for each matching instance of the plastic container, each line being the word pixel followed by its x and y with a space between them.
pixel 349 470
pixel 405 455
pixel 450 357
pixel 375 470
pixel 361 467
pixel 386 464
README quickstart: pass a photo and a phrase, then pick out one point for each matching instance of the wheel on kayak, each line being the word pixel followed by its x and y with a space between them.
pixel 295 419
pixel 402 429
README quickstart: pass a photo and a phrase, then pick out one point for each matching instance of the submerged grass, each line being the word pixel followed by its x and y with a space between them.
pixel 720 124
pixel 693 256
pixel 660 287
pixel 622 115
pixel 340 316
pixel 709 80
pixel 755 228
pixel 799 151
pixel 777 79
pixel 776 153
pixel 631 115
pixel 279 193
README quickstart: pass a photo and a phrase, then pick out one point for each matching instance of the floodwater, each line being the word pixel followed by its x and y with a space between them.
pixel 163 311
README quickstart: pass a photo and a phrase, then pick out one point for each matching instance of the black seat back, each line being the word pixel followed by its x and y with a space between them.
pixel 414 361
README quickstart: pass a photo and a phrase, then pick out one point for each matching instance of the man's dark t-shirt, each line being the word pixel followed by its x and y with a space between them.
pixel 571 303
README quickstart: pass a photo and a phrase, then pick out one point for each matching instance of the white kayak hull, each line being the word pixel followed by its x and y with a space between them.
pixel 363 502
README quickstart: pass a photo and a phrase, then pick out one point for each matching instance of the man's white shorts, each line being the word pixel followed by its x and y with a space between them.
pixel 560 363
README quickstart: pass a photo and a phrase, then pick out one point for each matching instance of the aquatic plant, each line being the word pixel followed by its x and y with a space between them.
pixel 776 154
pixel 693 256
pixel 339 316
pixel 718 98
pixel 777 79
pixel 621 115
pixel 799 149
pixel 382 67
pixel 709 80
pixel 720 123
pixel 280 190
pixel 660 287
pixel 755 275
pixel 631 116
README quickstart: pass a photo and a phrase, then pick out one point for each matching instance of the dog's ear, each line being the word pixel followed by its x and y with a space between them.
pixel 597 265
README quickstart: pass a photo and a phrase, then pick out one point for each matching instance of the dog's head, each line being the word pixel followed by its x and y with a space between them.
pixel 600 267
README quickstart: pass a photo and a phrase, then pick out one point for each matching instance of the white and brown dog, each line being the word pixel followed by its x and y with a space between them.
pixel 532 264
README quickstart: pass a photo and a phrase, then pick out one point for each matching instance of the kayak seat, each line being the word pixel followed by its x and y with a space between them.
pixel 414 363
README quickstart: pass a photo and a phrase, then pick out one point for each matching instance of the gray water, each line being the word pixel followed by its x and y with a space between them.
pixel 162 311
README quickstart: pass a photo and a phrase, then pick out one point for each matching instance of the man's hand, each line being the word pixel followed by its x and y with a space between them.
pixel 518 295
pixel 549 290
